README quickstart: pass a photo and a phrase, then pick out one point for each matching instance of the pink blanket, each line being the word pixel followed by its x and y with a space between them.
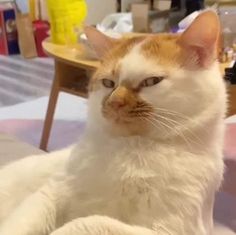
pixel 63 133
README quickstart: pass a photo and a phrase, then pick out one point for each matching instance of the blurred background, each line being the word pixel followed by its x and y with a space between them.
pixel 31 30
pixel 46 63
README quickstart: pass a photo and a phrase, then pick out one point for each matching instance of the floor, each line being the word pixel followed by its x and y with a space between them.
pixel 23 80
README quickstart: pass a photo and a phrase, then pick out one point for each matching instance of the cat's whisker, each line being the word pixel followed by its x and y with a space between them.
pixel 182 117
pixel 142 111
pixel 198 140
pixel 180 132
pixel 152 123
pixel 172 129
pixel 176 114
pixel 172 113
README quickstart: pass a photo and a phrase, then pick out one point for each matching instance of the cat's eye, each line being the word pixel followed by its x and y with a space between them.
pixel 108 83
pixel 151 81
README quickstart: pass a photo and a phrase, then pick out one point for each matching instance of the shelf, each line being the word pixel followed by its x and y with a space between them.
pixel 74 92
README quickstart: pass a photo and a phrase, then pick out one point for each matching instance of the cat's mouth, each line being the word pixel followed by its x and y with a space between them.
pixel 122 120
pixel 126 125
pixel 126 111
pixel 120 117
pixel 127 121
pixel 132 115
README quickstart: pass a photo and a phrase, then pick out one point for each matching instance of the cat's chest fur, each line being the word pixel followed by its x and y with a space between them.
pixel 129 181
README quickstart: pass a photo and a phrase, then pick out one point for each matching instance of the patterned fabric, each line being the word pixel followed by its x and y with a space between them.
pixel 64 133
pixel 22 80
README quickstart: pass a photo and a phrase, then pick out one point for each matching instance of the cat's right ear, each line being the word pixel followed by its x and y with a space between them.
pixel 202 38
pixel 99 41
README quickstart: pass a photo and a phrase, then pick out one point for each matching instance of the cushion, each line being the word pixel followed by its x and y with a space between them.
pixel 12 149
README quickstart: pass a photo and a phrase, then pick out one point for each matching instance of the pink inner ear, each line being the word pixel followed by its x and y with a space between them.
pixel 202 37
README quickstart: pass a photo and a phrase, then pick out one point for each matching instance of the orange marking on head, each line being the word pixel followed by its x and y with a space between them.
pixel 166 49
pixel 110 67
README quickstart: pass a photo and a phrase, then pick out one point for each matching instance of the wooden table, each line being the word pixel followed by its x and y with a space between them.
pixel 72 74
pixel 232 100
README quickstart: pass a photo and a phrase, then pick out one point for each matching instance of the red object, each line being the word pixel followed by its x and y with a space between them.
pixel 41 29
pixel 8 31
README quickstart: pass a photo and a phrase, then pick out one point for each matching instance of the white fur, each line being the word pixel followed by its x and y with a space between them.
pixel 163 183
pixel 21 178
pixel 140 68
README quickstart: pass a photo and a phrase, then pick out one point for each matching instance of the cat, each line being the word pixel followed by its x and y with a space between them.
pixel 150 161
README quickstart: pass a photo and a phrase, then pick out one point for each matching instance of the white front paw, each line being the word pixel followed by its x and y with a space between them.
pixel 101 225
pixel 75 227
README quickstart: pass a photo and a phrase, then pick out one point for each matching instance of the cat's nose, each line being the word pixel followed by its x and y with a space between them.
pixel 117 103
pixel 119 98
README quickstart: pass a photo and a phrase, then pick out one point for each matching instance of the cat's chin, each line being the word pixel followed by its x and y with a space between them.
pixel 122 127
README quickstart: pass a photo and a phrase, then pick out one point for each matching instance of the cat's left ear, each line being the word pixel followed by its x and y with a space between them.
pixel 99 41
pixel 202 38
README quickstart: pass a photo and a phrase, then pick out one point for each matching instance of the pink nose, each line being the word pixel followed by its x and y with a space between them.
pixel 117 104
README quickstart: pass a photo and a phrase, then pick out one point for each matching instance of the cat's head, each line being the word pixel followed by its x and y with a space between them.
pixel 155 83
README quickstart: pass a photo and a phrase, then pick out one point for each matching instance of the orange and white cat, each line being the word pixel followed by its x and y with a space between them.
pixel 151 158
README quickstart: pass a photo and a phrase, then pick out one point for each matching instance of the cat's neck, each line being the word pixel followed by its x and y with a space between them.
pixel 197 139
pixel 99 145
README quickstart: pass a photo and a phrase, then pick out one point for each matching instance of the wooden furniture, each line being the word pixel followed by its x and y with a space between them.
pixel 231 93
pixel 232 100
pixel 72 74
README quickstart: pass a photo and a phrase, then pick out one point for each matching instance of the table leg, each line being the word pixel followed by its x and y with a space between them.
pixel 50 110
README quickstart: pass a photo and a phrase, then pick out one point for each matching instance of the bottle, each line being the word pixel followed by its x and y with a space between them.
pixel 31 4
pixel 66 17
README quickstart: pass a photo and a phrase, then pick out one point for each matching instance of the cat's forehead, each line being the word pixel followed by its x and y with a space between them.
pixel 142 56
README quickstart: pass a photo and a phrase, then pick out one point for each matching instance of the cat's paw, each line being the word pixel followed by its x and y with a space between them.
pixel 81 226
pixel 100 225
pixel 92 225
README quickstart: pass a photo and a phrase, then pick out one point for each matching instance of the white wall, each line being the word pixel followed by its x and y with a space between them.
pixel 98 9
pixel 125 4
pixel 23 5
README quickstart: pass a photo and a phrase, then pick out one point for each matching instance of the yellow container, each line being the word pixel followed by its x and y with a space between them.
pixel 66 17
pixel 32 13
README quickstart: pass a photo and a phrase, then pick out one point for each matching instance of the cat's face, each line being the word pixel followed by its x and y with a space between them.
pixel 152 84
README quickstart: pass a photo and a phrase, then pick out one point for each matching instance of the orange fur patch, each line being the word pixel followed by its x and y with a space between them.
pixel 109 67
pixel 164 48
pixel 130 118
